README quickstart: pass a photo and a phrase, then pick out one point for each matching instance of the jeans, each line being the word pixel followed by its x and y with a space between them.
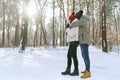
pixel 85 55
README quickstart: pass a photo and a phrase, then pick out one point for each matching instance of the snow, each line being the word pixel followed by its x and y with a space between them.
pixel 47 64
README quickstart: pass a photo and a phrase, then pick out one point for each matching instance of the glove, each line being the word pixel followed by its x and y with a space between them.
pixel 67 26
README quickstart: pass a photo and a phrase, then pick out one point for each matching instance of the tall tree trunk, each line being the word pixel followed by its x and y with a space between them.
pixel 8 23
pixel 8 31
pixel 60 25
pixel 100 18
pixel 104 39
pixel 35 36
pixel 73 5
pixel 80 4
pixel 43 32
pixel 24 36
pixel 53 42
pixel 88 14
pixel 116 28
pixel 65 22
pixel 93 30
pixel 116 25
pixel 40 36
pixel 119 28
pixel 40 10
pixel 24 31
pixel 16 40
pixel 61 5
pixel 3 32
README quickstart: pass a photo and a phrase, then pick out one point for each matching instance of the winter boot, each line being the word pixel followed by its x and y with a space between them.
pixel 66 72
pixel 86 74
pixel 83 71
pixel 75 73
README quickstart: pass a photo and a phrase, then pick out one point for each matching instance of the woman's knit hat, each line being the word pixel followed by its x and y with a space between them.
pixel 72 16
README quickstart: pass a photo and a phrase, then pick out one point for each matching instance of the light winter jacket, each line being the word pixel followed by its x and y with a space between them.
pixel 83 30
pixel 72 34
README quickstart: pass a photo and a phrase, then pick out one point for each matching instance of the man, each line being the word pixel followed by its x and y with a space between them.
pixel 84 40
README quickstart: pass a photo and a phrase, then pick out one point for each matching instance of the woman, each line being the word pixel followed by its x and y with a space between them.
pixel 72 38
pixel 84 40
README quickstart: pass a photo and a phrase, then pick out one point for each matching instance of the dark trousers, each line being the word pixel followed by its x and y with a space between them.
pixel 72 54
pixel 85 55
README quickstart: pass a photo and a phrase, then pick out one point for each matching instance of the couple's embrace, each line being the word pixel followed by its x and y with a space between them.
pixel 77 35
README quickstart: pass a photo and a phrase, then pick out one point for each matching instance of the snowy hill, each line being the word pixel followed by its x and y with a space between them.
pixel 48 63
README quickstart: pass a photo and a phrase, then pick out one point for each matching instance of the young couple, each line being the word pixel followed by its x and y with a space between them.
pixel 77 33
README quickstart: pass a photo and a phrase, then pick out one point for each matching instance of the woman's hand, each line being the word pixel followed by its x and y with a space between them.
pixel 67 26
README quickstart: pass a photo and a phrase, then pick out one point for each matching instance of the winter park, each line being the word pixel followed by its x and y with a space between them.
pixel 60 40
pixel 47 64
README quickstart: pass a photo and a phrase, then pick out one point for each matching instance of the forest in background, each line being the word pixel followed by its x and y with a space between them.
pixel 34 23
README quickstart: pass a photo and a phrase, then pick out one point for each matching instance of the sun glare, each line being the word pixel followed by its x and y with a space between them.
pixel 31 9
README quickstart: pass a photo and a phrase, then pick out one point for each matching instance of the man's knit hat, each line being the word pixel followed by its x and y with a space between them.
pixel 79 14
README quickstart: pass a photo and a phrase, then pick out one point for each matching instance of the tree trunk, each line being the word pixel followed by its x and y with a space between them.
pixel 3 32
pixel 64 23
pixel 88 14
pixel 24 31
pixel 73 5
pixel 8 30
pixel 100 18
pixel 104 40
pixel 35 36
pixel 16 40
pixel 93 30
pixel 24 36
pixel 60 17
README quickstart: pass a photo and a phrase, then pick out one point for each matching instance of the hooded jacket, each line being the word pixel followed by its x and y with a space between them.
pixel 72 34
pixel 83 30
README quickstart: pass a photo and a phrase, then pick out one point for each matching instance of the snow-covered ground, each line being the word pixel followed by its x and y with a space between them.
pixel 48 63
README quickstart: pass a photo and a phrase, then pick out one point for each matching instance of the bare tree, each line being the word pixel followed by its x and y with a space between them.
pixel 93 27
pixel 88 13
pixel 40 8
pixel 104 39
pixel 53 42
pixel 3 32
pixel 61 6
pixel 17 36
pixel 23 40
